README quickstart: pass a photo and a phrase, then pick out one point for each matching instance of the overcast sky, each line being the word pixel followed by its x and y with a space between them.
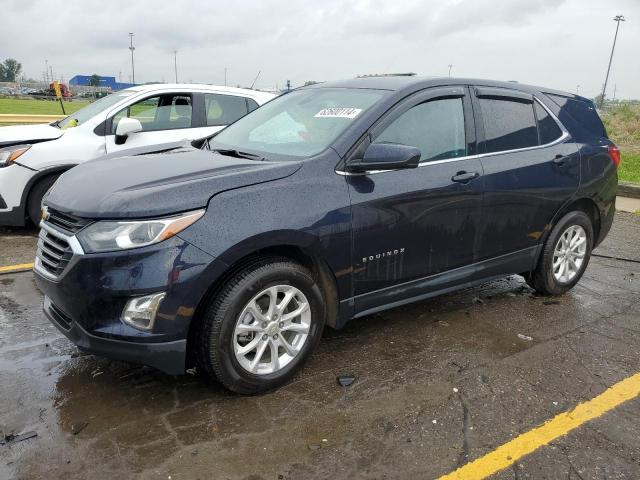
pixel 555 43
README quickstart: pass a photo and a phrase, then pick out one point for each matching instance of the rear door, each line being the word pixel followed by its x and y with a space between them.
pixel 410 224
pixel 531 168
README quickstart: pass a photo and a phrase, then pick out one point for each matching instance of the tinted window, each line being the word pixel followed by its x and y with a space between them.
pixel 252 104
pixel 508 124
pixel 224 109
pixel 547 126
pixel 581 110
pixel 162 112
pixel 435 127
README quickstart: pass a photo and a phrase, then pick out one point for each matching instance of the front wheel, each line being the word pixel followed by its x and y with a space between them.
pixel 261 327
pixel 37 193
pixel 565 255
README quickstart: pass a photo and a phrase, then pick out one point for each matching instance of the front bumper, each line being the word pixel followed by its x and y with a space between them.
pixel 85 301
pixel 166 356
pixel 13 182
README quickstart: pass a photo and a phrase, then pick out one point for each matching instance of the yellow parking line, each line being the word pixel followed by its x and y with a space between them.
pixel 21 267
pixel 507 454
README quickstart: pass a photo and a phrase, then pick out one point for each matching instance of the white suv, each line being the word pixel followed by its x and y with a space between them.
pixel 33 156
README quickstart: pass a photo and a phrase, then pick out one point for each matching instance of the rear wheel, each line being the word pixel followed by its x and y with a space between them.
pixel 261 327
pixel 34 202
pixel 565 255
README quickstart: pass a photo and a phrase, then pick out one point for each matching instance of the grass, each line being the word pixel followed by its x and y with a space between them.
pixel 623 127
pixel 629 170
pixel 38 107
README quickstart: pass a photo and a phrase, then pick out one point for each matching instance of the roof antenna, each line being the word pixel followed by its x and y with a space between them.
pixel 255 79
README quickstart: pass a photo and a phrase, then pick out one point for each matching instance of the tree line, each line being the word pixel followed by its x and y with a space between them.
pixel 10 70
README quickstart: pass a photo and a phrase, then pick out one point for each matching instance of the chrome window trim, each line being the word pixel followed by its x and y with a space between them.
pixel 560 139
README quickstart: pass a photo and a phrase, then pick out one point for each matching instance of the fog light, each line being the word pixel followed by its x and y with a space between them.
pixel 140 312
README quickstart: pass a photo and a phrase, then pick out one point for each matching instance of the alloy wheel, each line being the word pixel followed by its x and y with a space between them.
pixel 569 254
pixel 272 329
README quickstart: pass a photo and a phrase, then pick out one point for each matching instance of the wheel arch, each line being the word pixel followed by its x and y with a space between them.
pixel 584 204
pixel 304 256
pixel 38 177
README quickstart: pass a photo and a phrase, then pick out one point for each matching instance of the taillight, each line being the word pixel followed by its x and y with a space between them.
pixel 614 153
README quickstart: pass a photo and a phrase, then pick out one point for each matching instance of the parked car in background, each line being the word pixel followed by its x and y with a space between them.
pixel 332 202
pixel 33 156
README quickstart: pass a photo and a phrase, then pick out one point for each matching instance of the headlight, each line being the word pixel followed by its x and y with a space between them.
pixel 9 155
pixel 107 236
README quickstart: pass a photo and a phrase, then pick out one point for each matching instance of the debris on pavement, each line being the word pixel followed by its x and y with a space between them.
pixel 76 428
pixel 346 380
pixel 9 439
pixel 551 302
pixel 314 446
pixel 525 337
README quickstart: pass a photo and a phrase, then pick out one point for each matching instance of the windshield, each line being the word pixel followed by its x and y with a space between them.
pixel 91 110
pixel 300 123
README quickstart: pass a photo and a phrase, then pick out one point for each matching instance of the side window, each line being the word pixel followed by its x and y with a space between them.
pixel 224 109
pixel 435 127
pixel 547 126
pixel 508 124
pixel 162 112
pixel 252 104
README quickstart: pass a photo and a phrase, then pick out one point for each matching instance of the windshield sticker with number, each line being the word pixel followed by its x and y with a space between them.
pixel 338 113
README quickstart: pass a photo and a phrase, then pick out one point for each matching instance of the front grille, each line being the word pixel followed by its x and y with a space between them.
pixel 54 252
pixel 66 222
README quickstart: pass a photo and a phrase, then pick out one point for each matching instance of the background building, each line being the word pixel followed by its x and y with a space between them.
pixel 106 82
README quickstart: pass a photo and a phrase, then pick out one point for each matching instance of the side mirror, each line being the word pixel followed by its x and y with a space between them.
pixel 125 127
pixel 386 156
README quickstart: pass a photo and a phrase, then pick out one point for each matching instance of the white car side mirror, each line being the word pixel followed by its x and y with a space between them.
pixel 127 126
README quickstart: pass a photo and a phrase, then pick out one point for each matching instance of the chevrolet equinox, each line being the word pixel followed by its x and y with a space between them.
pixel 329 203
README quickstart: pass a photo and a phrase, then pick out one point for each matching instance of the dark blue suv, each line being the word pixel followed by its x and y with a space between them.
pixel 329 203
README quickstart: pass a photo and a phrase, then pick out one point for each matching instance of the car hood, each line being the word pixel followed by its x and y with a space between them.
pixel 16 134
pixel 145 186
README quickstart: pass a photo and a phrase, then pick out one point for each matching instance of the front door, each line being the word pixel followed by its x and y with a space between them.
pixel 165 118
pixel 415 223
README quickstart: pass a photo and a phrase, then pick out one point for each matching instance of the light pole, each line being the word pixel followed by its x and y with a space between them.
pixel 450 66
pixel 175 63
pixel 132 48
pixel 617 19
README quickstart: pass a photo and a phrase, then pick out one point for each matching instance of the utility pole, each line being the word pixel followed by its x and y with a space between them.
pixel 175 63
pixel 46 71
pixel 450 66
pixel 132 48
pixel 225 76
pixel 288 85
pixel 617 19
pixel 578 89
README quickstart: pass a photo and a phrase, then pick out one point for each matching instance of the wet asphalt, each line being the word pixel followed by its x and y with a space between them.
pixel 438 383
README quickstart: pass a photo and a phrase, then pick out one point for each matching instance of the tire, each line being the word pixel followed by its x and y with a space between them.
pixel 34 202
pixel 220 347
pixel 544 279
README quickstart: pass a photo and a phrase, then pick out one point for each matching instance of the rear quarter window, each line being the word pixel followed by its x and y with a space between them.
pixel 548 129
pixel 583 111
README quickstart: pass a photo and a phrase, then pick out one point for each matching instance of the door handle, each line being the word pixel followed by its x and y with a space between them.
pixel 561 160
pixel 464 177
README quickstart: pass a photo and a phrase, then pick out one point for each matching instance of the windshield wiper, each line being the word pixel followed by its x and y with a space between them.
pixel 230 152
